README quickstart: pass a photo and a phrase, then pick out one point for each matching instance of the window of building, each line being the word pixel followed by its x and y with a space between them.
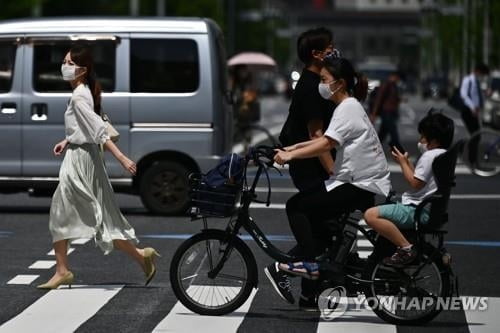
pixel 164 65
pixel 7 58
pixel 48 57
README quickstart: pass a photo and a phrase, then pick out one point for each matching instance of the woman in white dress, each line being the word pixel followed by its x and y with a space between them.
pixel 83 205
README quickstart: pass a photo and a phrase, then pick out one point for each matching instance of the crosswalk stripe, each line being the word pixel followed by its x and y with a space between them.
pixel 486 321
pixel 42 264
pixel 180 320
pixel 364 243
pixel 353 320
pixel 71 306
pixel 364 254
pixel 52 252
pixel 23 279
pixel 80 241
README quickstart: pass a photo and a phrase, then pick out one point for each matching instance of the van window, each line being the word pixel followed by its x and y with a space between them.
pixel 164 65
pixel 7 58
pixel 48 59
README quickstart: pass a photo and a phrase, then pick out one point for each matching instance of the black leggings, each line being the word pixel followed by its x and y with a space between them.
pixel 308 211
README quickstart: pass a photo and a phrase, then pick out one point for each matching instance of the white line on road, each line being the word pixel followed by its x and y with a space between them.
pixel 42 264
pixel 61 310
pixel 355 321
pixel 364 254
pixel 180 319
pixel 484 321
pixel 80 241
pixel 23 279
pixel 52 253
pixel 364 243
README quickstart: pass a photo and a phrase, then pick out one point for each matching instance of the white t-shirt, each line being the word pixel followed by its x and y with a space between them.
pixel 360 159
pixel 81 123
pixel 423 172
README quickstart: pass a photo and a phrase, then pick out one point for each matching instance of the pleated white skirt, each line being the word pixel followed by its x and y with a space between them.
pixel 83 205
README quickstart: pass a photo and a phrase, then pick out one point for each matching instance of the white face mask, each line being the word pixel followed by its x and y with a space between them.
pixel 422 147
pixel 69 72
pixel 324 90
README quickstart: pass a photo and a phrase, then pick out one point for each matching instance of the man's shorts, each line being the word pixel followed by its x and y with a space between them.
pixel 402 215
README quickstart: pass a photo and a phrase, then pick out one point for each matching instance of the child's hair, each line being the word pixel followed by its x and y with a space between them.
pixel 341 68
pixel 314 39
pixel 436 126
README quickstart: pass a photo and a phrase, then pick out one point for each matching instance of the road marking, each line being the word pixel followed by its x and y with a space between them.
pixel 180 319
pixel 42 264
pixel 62 310
pixel 354 320
pixel 364 254
pixel 23 279
pixel 484 321
pixel 52 253
pixel 364 243
pixel 80 241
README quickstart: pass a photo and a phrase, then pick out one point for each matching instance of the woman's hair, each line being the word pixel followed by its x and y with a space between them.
pixel 82 56
pixel 315 39
pixel 341 68
pixel 436 126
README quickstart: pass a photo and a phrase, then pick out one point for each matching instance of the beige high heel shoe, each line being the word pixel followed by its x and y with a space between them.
pixel 150 269
pixel 66 279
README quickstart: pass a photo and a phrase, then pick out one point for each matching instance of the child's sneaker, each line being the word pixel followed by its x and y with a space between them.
pixel 401 257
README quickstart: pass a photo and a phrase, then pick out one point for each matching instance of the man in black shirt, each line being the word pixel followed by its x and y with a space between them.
pixel 308 118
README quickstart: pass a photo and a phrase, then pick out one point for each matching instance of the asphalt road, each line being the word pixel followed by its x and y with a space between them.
pixel 110 296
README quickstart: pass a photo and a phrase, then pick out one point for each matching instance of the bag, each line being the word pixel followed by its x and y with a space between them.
pixel 230 170
pixel 112 132
pixel 456 101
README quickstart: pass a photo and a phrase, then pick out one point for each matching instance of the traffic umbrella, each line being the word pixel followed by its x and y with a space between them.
pixel 252 59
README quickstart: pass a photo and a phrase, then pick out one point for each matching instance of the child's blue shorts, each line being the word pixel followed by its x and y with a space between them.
pixel 402 215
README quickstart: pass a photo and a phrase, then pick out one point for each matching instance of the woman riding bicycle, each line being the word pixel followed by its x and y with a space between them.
pixel 360 172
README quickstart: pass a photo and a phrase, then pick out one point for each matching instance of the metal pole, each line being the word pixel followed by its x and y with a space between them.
pixel 465 26
pixel 231 12
pixel 160 7
pixel 134 7
pixel 486 31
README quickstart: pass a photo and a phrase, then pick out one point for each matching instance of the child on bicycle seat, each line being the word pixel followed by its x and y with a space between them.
pixel 436 134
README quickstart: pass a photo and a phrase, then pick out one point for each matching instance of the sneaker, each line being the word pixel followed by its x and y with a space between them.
pixel 401 257
pixel 308 304
pixel 280 282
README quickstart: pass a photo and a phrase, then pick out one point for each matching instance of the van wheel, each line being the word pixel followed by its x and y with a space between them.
pixel 164 188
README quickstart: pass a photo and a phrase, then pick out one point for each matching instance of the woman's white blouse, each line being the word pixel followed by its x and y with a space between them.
pixel 82 124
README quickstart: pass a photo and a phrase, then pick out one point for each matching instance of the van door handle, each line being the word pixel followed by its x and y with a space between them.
pixel 9 108
pixel 39 112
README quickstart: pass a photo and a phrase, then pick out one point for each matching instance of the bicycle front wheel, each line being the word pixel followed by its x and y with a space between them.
pixel 193 283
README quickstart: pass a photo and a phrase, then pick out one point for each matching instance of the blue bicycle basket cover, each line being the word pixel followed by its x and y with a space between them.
pixel 229 170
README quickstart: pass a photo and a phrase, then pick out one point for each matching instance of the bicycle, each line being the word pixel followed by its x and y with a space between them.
pixel 214 271
pixel 487 156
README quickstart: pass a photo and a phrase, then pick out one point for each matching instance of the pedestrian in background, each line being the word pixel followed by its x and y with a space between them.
pixel 308 118
pixel 83 205
pixel 473 102
pixel 387 107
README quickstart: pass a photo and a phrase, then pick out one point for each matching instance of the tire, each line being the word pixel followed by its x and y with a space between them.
pixel 164 188
pixel 436 265
pixel 186 291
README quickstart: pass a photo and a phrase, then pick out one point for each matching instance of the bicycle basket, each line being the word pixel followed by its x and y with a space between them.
pixel 212 201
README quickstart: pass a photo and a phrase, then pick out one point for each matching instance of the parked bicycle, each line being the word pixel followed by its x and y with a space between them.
pixel 214 271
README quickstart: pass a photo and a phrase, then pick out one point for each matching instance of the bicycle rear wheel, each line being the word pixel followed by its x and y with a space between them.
pixel 409 295
pixel 222 294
